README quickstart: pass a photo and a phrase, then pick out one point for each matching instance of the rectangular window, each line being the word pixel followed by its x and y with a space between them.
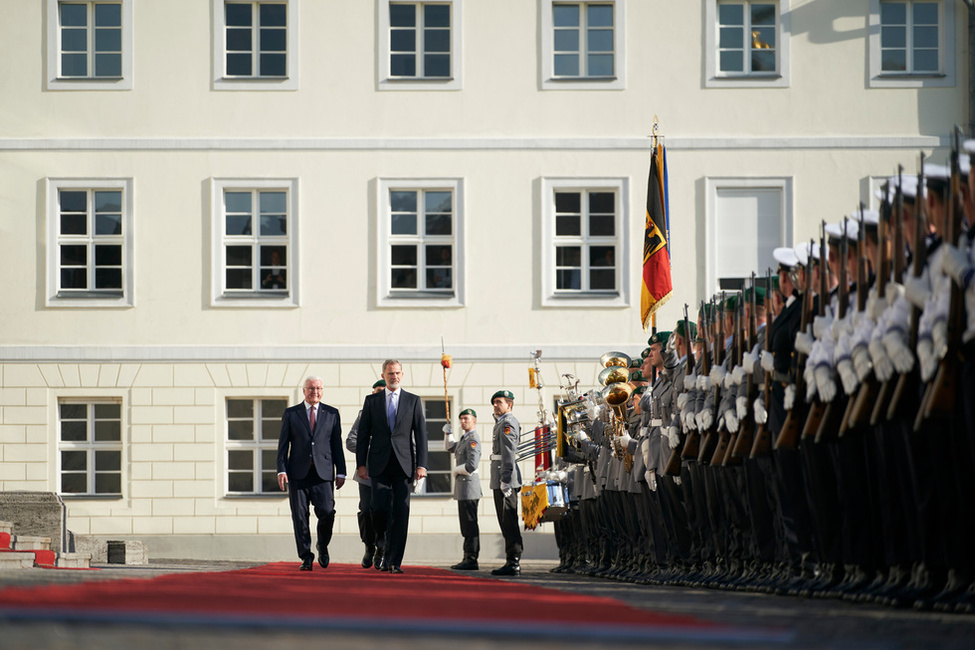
pixel 253 427
pixel 419 40
pixel 90 39
pixel 439 461
pixel 747 38
pixel 90 447
pixel 257 38
pixel 910 37
pixel 255 228
pixel 421 234
pixel 91 242
pixel 583 39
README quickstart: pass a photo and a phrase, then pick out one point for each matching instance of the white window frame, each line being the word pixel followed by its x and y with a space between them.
pixel 89 298
pixel 90 446
pixel 219 56
pixel 255 298
pixel 711 187
pixel 419 298
pixel 436 447
pixel 944 78
pixel 551 297
pixel 547 65
pixel 53 67
pixel 255 446
pixel 714 78
pixel 453 82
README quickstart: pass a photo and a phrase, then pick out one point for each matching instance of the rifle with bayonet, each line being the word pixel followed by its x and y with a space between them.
pixel 692 444
pixel 762 444
pixel 897 251
pixel 907 382
pixel 837 416
pixel 673 464
pixel 710 437
pixel 727 440
pixel 817 409
pixel 746 425
pixel 791 426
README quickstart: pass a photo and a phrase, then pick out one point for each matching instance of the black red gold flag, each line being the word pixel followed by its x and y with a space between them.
pixel 657 285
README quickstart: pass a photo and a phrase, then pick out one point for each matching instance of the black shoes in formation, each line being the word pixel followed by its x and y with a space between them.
pixel 467 564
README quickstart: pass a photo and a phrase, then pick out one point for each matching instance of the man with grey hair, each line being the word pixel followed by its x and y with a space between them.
pixel 311 460
pixel 391 450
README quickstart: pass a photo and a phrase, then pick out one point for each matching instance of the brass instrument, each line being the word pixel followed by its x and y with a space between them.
pixel 616 393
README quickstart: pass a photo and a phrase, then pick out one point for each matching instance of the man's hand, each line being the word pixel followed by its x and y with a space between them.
pixel 283 481
pixel 339 482
pixel 421 472
pixel 363 474
pixel 506 489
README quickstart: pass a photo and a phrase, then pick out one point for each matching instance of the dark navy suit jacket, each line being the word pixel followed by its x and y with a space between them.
pixel 407 441
pixel 297 445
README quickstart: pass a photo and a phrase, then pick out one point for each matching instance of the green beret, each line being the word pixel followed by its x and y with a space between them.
pixel 639 390
pixel 759 294
pixel 381 382
pixel 705 312
pixel 635 363
pixel 679 330
pixel 507 394
pixel 636 375
pixel 659 337
pixel 775 282
pixel 469 412
pixel 645 354
pixel 731 303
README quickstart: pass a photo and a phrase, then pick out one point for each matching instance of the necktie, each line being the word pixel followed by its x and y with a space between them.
pixel 391 411
pixel 311 418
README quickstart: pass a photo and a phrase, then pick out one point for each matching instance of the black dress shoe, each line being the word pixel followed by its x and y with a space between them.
pixel 394 569
pixel 306 564
pixel 378 559
pixel 467 564
pixel 382 566
pixel 323 557
pixel 367 557
pixel 507 570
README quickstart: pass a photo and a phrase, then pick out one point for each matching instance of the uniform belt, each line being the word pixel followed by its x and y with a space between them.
pixel 496 457
pixel 656 423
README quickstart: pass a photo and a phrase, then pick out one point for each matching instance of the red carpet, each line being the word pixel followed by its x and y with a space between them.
pixel 348 597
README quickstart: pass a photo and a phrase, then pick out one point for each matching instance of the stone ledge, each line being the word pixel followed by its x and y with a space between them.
pixel 16 560
pixel 73 561
pixel 30 543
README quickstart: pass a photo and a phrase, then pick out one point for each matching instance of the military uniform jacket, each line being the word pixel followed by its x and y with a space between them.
pixel 504 469
pixel 350 441
pixel 467 452
pixel 660 417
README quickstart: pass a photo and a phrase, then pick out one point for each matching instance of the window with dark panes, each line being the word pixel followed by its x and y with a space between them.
pixel 90 40
pixel 419 40
pixel 253 427
pixel 90 447
pixel 586 241
pixel 439 461
pixel 90 242
pixel 256 244
pixel 421 240
pixel 256 39
pixel 747 38
pixel 584 40
pixel 910 37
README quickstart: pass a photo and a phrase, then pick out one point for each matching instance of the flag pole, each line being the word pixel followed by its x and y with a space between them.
pixel 445 363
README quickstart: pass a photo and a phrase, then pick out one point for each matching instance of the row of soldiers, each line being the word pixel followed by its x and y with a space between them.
pixel 814 439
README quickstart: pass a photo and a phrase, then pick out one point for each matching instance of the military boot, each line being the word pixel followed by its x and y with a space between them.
pixel 511 568
pixel 467 564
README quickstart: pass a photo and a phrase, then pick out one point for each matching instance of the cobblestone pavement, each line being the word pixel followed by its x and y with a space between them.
pixel 792 622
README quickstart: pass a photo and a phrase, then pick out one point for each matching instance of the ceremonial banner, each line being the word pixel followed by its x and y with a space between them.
pixel 657 286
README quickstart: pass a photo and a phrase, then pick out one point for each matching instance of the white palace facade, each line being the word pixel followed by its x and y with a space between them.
pixel 202 202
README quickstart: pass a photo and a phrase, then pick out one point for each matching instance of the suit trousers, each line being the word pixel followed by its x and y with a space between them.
pixel 467 511
pixel 507 511
pixel 314 490
pixel 391 510
pixel 366 532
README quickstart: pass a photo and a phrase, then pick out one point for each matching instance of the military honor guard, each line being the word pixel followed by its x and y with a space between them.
pixel 467 484
pixel 506 480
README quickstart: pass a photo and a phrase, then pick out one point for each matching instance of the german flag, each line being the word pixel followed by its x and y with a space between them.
pixel 657 285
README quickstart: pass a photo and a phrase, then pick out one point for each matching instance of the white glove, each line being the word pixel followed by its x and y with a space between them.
pixel 825 383
pixel 847 375
pixel 689 420
pixel 703 382
pixel 717 375
pixel 681 401
pixel 651 477
pixel 939 338
pixel 741 407
pixel 810 376
pixel 925 356
pixel 804 342
pixel 882 365
pixel 676 480
pixel 955 264
pixel 748 361
pixel 916 290
pixel 840 326
pixel 625 440
pixel 738 375
pixel 761 415
pixel 731 421
pixel 690 382
pixel 673 438
pixel 790 397
pixel 460 470
pixel 729 380
pixel 861 361
pixel 768 361
pixel 898 352
pixel 506 489
pixel 706 420
pixel 447 429
pixel 878 306
pixel 821 326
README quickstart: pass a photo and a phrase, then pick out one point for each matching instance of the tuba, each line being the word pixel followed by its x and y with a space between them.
pixel 616 393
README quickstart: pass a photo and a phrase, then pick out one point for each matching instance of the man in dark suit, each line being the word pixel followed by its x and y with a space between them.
pixel 311 460
pixel 391 450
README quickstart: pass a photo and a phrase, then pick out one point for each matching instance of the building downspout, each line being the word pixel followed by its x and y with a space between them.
pixel 971 67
